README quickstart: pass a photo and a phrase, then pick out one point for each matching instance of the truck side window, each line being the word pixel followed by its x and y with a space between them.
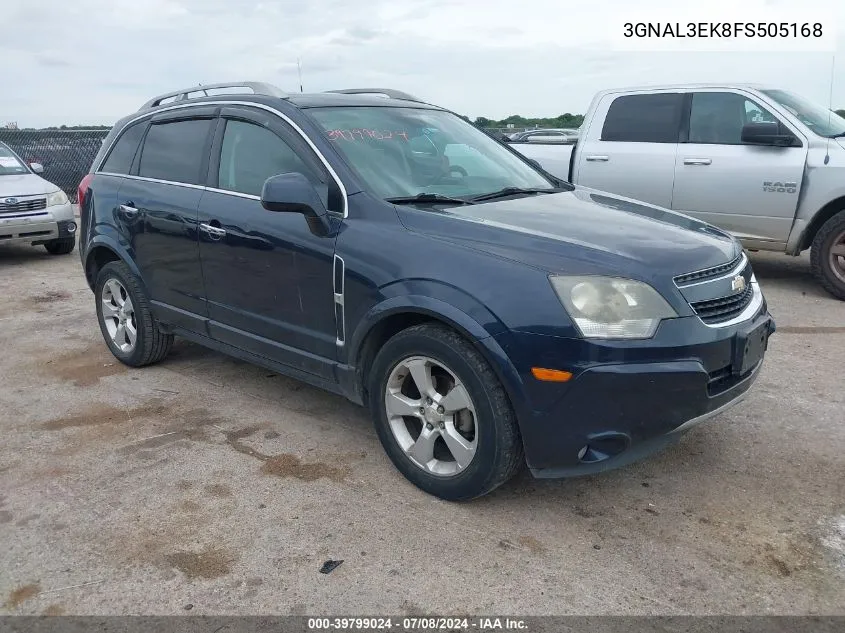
pixel 646 118
pixel 718 117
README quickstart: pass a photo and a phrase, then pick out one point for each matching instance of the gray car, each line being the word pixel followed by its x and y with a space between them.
pixel 565 136
pixel 33 210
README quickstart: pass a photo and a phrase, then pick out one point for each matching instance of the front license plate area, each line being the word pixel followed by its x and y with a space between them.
pixel 750 348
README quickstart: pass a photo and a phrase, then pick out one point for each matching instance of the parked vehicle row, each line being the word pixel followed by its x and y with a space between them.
pixel 762 163
pixel 488 313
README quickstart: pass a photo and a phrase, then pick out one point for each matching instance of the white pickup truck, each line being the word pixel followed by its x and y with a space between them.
pixel 762 163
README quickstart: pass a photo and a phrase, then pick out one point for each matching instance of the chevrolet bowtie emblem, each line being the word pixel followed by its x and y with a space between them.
pixel 738 284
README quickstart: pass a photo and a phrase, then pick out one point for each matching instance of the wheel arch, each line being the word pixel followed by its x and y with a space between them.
pixel 823 215
pixel 399 313
pixel 100 252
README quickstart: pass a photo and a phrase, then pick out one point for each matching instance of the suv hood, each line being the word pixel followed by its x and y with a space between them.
pixel 583 231
pixel 24 185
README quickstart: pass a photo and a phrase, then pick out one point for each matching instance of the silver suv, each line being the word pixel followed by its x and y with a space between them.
pixel 33 210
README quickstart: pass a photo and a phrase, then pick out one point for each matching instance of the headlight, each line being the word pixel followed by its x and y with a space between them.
pixel 611 307
pixel 56 198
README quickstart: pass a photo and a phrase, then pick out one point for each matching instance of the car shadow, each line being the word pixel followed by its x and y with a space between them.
pixel 14 254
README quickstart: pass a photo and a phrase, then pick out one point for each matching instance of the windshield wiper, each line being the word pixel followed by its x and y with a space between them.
pixel 427 198
pixel 840 135
pixel 511 191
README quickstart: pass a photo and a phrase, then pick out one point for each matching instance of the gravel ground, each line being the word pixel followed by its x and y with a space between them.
pixel 208 482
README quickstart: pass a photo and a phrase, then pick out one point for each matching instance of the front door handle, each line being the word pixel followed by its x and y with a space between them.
pixel 697 161
pixel 597 158
pixel 129 209
pixel 213 231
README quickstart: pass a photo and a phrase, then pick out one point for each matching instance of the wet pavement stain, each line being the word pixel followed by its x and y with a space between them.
pixel 532 544
pixel 85 367
pixel 208 563
pixel 286 465
pixel 50 296
pixel 54 609
pixel 22 594
pixel 218 490
pixel 105 414
pixel 289 465
pixel 190 506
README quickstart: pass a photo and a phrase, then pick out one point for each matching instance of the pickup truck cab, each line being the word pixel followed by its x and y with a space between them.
pixel 487 313
pixel 762 163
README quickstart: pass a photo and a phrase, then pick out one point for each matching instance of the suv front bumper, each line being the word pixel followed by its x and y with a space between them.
pixel 627 400
pixel 38 227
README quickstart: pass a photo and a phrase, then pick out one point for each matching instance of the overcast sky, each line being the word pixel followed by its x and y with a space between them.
pixel 93 61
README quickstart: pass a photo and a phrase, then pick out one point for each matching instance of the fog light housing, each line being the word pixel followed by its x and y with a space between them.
pixel 71 227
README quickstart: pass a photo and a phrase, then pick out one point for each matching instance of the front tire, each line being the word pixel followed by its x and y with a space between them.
pixel 61 246
pixel 442 415
pixel 827 257
pixel 129 327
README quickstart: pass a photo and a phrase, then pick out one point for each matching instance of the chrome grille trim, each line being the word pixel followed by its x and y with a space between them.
pixel 711 274
pixel 32 204
pixel 717 306
pixel 721 309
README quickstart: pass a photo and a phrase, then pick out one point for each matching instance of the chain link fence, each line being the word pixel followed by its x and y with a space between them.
pixel 65 154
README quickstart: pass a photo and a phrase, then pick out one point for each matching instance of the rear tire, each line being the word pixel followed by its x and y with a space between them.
pixel 827 257
pixel 472 402
pixel 129 327
pixel 61 246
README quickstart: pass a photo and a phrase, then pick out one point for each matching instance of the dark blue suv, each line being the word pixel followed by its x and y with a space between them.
pixel 385 249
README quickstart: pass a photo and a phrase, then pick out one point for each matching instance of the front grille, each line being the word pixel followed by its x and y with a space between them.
pixel 35 204
pixel 724 308
pixel 707 273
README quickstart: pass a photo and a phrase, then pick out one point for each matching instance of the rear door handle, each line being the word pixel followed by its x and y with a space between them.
pixel 697 161
pixel 129 209
pixel 596 158
pixel 213 231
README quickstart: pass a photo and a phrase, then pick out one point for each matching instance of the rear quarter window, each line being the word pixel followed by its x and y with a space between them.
pixel 649 118
pixel 175 151
pixel 120 158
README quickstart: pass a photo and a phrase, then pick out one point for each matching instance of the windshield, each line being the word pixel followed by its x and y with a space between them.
pixel 404 152
pixel 819 119
pixel 9 163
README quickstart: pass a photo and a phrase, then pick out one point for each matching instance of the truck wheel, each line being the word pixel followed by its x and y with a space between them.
pixel 442 415
pixel 128 325
pixel 827 257
pixel 62 246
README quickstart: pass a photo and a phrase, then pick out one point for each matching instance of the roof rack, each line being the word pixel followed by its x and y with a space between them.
pixel 387 92
pixel 257 87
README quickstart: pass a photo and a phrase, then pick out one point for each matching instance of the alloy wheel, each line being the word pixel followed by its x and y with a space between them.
pixel 431 415
pixel 119 315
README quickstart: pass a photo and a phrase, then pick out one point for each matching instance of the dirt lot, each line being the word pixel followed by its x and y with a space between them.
pixel 208 482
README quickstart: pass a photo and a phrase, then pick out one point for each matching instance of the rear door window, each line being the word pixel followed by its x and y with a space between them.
pixel 175 151
pixel 123 153
pixel 648 118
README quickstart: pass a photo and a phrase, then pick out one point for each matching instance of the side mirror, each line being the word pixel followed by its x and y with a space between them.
pixel 765 133
pixel 38 168
pixel 291 193
pixel 294 193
